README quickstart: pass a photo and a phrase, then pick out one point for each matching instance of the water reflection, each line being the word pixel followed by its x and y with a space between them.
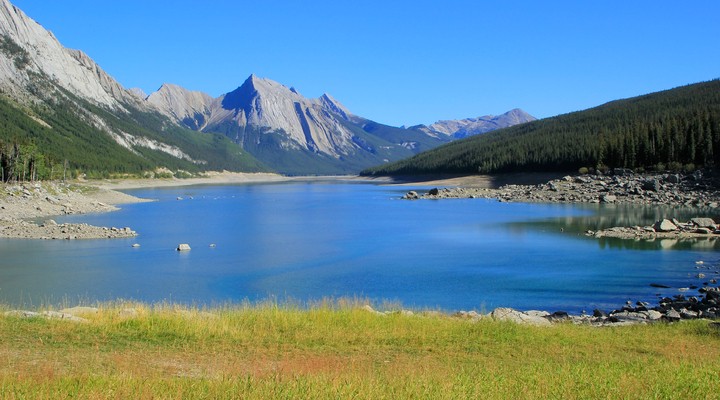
pixel 603 216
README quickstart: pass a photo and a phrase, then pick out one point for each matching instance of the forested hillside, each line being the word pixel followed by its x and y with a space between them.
pixel 52 142
pixel 677 128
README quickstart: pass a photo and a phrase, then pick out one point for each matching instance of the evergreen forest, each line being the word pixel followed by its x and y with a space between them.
pixel 57 139
pixel 673 129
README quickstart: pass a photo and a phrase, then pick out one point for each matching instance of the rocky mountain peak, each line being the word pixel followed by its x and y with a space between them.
pixel 31 49
pixel 335 106
pixel 189 107
pixel 473 126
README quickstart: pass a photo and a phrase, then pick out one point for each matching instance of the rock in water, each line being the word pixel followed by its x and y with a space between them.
pixel 411 195
pixel 183 247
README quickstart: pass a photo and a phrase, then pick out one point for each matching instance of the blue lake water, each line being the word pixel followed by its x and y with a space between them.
pixel 309 240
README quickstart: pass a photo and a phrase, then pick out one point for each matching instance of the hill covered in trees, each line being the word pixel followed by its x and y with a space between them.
pixel 43 142
pixel 677 128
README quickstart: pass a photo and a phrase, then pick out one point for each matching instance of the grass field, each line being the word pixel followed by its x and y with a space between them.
pixel 336 350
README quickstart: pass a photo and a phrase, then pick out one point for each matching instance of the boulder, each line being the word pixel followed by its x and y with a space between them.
pixel 653 315
pixel 628 316
pixel 704 223
pixel 608 198
pixel 597 313
pixel 664 226
pixel 52 200
pixel 672 315
pixel 508 314
pixel 652 185
pixel 411 195
pixel 434 192
pixel 673 178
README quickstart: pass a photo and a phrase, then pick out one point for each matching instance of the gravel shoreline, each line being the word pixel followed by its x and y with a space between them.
pixel 23 203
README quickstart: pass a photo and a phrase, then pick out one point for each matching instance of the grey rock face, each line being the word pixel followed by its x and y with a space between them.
pixel 473 126
pixel 73 70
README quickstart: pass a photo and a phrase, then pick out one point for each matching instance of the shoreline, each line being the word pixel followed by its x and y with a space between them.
pixel 34 201
pixel 27 208
pixel 22 204
pixel 693 190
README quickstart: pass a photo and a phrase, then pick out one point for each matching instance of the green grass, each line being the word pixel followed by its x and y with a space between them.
pixel 336 350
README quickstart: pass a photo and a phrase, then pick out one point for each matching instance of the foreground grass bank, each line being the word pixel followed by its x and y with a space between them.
pixel 335 351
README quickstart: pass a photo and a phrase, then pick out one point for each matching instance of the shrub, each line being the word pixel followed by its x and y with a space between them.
pixel 675 166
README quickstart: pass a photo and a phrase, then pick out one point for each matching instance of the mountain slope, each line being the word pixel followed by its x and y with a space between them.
pixel 289 132
pixel 296 135
pixel 462 128
pixel 76 115
pixel 59 105
pixel 676 127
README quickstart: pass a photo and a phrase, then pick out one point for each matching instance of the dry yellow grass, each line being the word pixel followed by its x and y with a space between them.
pixel 339 351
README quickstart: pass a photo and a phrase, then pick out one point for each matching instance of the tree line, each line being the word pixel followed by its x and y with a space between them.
pixel 677 128
pixel 25 162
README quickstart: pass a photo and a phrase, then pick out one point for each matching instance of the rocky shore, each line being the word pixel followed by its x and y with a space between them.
pixel 22 204
pixel 682 306
pixel 699 227
pixel 693 190
pixel 697 190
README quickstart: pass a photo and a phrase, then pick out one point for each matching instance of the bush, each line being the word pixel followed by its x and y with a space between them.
pixel 675 166
pixel 689 168
pixel 583 171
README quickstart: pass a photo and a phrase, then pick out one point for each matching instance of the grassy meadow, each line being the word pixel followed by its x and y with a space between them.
pixel 337 350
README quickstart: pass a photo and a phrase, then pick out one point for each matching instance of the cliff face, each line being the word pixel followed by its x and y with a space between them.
pixel 188 107
pixel 309 124
pixel 62 101
pixel 289 132
pixel 32 53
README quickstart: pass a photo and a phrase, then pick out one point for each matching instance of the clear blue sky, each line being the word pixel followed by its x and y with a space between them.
pixel 401 62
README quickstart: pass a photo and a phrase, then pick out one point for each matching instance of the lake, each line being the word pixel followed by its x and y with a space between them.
pixel 308 240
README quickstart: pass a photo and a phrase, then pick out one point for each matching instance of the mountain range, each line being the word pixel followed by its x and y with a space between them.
pixel 297 135
pixel 64 107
